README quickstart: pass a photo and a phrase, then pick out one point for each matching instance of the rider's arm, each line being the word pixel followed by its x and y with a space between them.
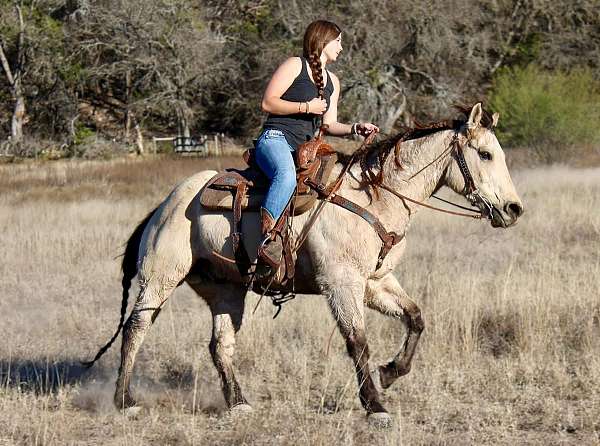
pixel 280 81
pixel 330 118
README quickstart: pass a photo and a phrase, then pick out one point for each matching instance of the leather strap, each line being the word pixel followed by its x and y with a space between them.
pixel 288 258
pixel 389 239
pixel 236 234
pixel 239 250
pixel 459 156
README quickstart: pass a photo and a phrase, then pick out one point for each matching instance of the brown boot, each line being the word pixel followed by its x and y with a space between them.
pixel 270 250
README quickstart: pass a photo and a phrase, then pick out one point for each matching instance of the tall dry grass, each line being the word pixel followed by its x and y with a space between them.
pixel 510 353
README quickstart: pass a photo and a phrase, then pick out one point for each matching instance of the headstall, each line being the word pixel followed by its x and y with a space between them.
pixel 470 191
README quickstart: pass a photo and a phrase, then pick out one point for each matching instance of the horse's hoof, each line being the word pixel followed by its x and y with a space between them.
pixel 241 409
pixel 132 412
pixel 124 401
pixel 380 420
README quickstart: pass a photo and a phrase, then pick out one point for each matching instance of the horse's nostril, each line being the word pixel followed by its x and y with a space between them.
pixel 513 209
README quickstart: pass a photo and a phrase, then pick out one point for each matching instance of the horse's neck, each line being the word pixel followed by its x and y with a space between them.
pixel 417 178
pixel 416 159
pixel 420 171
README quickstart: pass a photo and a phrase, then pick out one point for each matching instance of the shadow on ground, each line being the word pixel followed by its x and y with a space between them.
pixel 48 376
pixel 178 387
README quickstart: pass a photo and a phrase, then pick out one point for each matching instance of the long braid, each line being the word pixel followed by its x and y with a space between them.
pixel 317 35
pixel 314 62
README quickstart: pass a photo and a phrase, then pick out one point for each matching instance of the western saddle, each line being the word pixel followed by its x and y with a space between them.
pixel 239 190
pixel 244 190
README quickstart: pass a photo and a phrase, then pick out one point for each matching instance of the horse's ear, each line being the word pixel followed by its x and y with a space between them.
pixel 475 117
pixel 495 117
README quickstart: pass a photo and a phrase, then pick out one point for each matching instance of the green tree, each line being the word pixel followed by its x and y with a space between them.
pixel 548 110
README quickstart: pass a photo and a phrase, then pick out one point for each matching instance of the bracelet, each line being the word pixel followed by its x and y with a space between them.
pixel 307 108
pixel 354 129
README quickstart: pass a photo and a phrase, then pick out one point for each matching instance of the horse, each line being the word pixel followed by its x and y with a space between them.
pixel 181 242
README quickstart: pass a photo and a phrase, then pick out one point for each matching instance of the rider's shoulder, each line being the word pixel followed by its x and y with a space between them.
pixel 293 62
pixel 290 68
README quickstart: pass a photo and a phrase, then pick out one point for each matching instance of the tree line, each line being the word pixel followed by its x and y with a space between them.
pixel 128 68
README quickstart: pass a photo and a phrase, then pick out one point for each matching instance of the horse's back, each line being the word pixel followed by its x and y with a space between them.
pixel 166 243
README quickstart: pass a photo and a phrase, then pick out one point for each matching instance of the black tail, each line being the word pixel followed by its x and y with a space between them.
pixel 129 267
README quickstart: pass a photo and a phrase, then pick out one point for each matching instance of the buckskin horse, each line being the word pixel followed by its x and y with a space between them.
pixel 340 258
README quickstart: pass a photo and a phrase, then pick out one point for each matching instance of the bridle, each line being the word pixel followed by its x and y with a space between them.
pixel 470 191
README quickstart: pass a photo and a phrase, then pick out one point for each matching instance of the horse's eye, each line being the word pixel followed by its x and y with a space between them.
pixel 485 156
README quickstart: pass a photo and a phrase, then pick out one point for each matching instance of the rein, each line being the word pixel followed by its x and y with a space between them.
pixel 428 206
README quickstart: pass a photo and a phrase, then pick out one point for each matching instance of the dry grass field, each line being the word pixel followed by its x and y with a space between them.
pixel 510 352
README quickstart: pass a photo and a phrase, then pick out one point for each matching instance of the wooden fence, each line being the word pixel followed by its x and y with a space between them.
pixel 202 145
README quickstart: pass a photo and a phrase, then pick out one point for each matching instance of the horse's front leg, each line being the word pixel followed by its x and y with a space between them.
pixel 387 296
pixel 345 297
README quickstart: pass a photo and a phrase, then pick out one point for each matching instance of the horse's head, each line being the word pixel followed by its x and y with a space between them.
pixel 482 159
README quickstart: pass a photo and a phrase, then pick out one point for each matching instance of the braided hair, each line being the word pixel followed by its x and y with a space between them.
pixel 318 34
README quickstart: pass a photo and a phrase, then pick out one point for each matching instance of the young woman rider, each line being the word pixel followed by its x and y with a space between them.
pixel 299 93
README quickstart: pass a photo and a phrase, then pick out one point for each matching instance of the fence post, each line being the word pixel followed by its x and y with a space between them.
pixel 216 145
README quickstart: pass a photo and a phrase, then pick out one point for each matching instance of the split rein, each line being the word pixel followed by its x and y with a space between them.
pixel 477 215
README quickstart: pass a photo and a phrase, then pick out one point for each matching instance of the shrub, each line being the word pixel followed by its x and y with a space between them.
pixel 82 134
pixel 99 147
pixel 547 111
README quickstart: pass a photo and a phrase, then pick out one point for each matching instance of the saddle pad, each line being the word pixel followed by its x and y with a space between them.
pixel 222 200
pixel 219 193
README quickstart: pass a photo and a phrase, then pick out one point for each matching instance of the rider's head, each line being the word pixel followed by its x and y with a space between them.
pixel 321 37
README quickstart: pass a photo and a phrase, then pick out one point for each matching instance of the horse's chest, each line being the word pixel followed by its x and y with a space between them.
pixel 346 240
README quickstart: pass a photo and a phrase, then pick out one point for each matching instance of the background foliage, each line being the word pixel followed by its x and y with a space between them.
pixel 547 111
pixel 188 67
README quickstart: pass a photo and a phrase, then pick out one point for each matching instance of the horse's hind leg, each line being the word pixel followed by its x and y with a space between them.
pixel 226 303
pixel 147 306
pixel 387 296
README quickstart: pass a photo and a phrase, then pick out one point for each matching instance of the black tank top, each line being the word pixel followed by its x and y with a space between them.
pixel 299 127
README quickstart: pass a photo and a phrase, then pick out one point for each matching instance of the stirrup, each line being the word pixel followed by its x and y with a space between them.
pixel 270 254
pixel 270 250
pixel 280 299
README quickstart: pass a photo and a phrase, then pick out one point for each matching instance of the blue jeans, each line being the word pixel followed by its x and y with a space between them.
pixel 274 157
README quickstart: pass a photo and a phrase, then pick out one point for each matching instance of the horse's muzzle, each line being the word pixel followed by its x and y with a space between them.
pixel 514 210
pixel 507 216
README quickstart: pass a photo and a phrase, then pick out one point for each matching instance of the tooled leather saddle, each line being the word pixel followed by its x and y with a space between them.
pixel 244 190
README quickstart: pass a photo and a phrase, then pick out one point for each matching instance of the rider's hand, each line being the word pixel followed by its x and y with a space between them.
pixel 366 128
pixel 317 106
